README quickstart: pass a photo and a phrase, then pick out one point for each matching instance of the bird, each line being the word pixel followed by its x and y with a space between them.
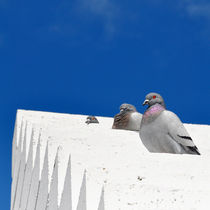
pixel 128 118
pixel 162 131
pixel 91 119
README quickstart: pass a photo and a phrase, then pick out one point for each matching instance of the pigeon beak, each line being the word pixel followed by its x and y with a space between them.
pixel 145 102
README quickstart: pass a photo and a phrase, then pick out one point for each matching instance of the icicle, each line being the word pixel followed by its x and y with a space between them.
pixel 53 195
pixel 34 180
pixel 43 188
pixel 101 203
pixel 82 204
pixel 66 199
pixel 28 175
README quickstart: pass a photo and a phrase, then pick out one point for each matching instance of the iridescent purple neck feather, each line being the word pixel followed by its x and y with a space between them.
pixel 152 112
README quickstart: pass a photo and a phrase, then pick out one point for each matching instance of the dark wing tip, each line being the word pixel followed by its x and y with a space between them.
pixel 185 137
pixel 194 150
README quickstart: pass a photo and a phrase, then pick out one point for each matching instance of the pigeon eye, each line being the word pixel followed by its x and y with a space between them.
pixel 153 97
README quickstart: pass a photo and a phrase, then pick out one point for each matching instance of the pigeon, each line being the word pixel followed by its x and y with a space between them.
pixel 91 119
pixel 128 118
pixel 162 131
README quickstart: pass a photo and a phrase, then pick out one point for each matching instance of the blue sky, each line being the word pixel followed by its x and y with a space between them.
pixel 89 56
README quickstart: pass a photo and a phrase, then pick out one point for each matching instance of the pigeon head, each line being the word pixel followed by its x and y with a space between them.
pixel 153 98
pixel 127 108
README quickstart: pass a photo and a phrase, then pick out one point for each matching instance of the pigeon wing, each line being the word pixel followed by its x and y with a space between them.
pixel 120 121
pixel 177 131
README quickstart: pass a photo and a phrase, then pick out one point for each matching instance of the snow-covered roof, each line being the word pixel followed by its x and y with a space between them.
pixel 61 162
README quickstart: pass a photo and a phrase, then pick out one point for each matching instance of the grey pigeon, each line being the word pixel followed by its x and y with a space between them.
pixel 162 131
pixel 91 119
pixel 128 118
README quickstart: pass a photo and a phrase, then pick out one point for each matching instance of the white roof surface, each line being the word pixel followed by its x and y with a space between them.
pixel 132 178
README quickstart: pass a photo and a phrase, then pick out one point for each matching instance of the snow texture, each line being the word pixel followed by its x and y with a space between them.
pixel 60 162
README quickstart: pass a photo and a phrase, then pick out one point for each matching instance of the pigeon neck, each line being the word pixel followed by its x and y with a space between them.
pixel 154 110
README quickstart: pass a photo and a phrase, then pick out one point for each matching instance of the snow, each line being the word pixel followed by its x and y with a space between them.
pixel 108 169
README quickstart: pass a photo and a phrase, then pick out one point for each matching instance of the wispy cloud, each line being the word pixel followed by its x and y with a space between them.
pixel 202 10
pixel 99 7
pixel 197 8
pixel 87 20
pixel 106 10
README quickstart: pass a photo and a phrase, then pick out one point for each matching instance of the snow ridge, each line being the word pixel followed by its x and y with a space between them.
pixel 61 163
